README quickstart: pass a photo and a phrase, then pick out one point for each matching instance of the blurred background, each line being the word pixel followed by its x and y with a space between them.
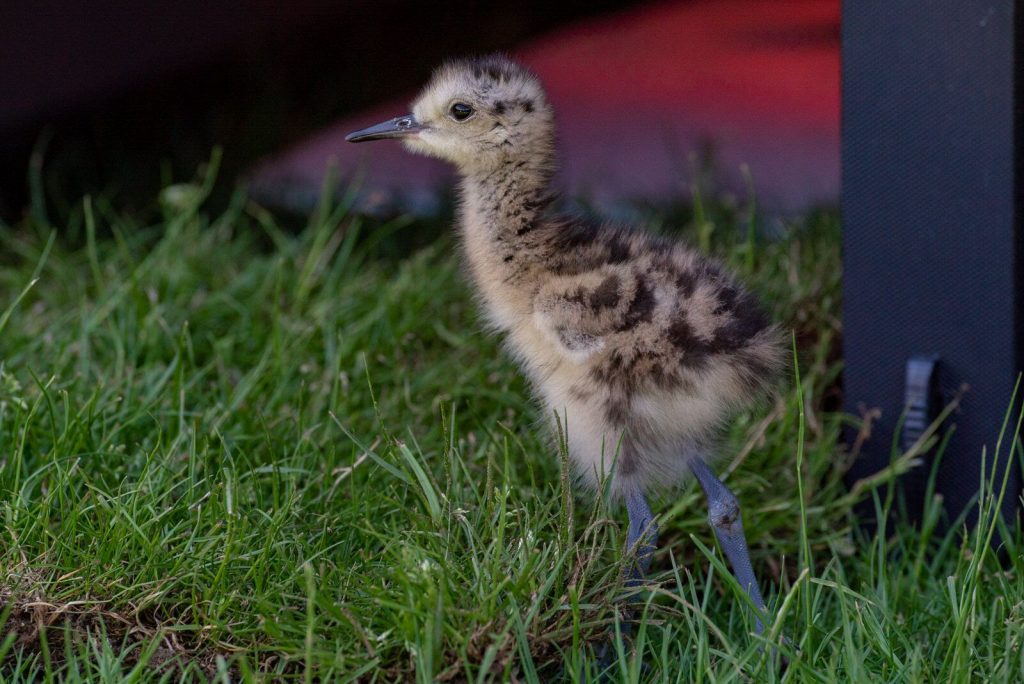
pixel 120 97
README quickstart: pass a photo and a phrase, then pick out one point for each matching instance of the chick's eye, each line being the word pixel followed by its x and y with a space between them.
pixel 460 111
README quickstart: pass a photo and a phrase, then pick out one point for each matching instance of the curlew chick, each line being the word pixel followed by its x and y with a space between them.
pixel 641 345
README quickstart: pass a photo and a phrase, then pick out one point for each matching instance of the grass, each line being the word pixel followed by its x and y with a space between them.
pixel 230 451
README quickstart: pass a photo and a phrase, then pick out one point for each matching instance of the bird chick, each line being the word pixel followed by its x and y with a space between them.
pixel 639 344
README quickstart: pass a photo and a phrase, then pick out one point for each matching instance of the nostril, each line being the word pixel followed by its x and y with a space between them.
pixel 404 123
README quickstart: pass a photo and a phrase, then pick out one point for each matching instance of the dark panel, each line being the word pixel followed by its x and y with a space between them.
pixel 932 259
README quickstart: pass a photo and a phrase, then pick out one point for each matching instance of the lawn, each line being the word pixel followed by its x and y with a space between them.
pixel 236 449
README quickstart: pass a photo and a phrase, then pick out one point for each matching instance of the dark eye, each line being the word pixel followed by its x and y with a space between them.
pixel 460 111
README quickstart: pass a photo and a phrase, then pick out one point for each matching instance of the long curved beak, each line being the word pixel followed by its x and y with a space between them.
pixel 398 127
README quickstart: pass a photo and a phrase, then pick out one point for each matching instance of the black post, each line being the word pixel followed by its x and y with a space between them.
pixel 933 247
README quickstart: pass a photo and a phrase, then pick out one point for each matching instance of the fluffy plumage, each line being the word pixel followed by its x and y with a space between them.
pixel 642 344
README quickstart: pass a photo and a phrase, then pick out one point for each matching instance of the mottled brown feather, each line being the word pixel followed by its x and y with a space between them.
pixel 642 344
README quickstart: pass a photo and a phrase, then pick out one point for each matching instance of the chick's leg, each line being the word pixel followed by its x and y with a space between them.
pixel 724 516
pixel 641 539
pixel 642 536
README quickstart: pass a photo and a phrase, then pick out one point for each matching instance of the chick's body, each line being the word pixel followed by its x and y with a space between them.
pixel 638 343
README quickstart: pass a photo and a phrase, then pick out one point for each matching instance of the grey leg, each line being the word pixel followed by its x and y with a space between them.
pixel 642 537
pixel 724 516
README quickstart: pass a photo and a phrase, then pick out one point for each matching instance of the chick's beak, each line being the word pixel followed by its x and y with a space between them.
pixel 398 127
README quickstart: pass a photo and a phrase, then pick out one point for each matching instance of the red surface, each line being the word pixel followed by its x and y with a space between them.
pixel 635 92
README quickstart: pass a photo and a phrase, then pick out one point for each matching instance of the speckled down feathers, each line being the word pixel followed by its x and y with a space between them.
pixel 640 344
